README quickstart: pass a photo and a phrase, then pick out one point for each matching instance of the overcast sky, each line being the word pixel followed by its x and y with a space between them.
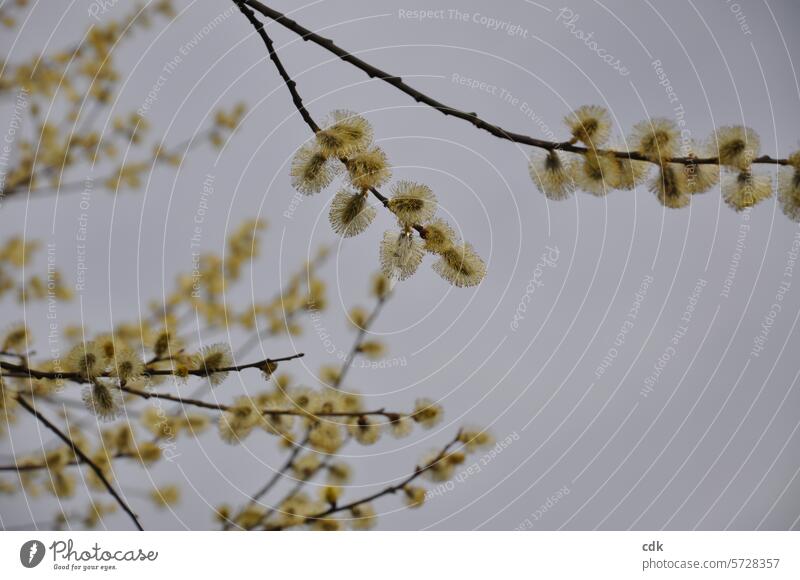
pixel 611 345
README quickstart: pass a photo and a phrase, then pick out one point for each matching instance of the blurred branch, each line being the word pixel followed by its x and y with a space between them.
pixel 296 489
pixel 221 407
pixel 309 268
pixel 75 462
pixel 163 156
pixel 392 489
pixel 22 371
pixel 290 84
pixel 362 331
pixel 83 457
pixel 272 482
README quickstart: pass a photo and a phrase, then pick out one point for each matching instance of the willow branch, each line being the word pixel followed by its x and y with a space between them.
pixel 472 118
pixel 27 186
pixel 22 467
pixel 83 457
pixel 20 357
pixel 346 365
pixel 22 371
pixel 340 377
pixel 296 489
pixel 273 55
pixel 309 268
pixel 296 98
pixel 280 473
pixel 273 481
pixel 276 412
pixel 362 331
pixel 392 489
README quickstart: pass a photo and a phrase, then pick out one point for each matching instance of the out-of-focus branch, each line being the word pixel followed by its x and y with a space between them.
pixel 296 489
pixel 290 84
pixel 179 150
pixel 75 462
pixel 362 331
pixel 22 371
pixel 83 457
pixel 221 407
pixel 348 362
pixel 392 489
pixel 273 481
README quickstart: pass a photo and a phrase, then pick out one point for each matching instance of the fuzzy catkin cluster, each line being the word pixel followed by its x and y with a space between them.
pixel 132 378
pixel 598 171
pixel 83 77
pixel 117 372
pixel 345 144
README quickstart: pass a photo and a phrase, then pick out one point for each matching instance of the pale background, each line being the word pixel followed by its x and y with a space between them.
pixel 713 446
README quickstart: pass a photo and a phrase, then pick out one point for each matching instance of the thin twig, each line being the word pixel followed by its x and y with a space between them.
pixel 418 471
pixel 290 84
pixel 22 371
pixel 362 331
pixel 19 357
pixel 276 477
pixel 72 463
pixel 222 407
pixel 85 458
pixel 163 156
pixel 315 263
pixel 297 488
pixel 298 100
pixel 299 485
pixel 472 118
pixel 278 474
pixel 310 267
